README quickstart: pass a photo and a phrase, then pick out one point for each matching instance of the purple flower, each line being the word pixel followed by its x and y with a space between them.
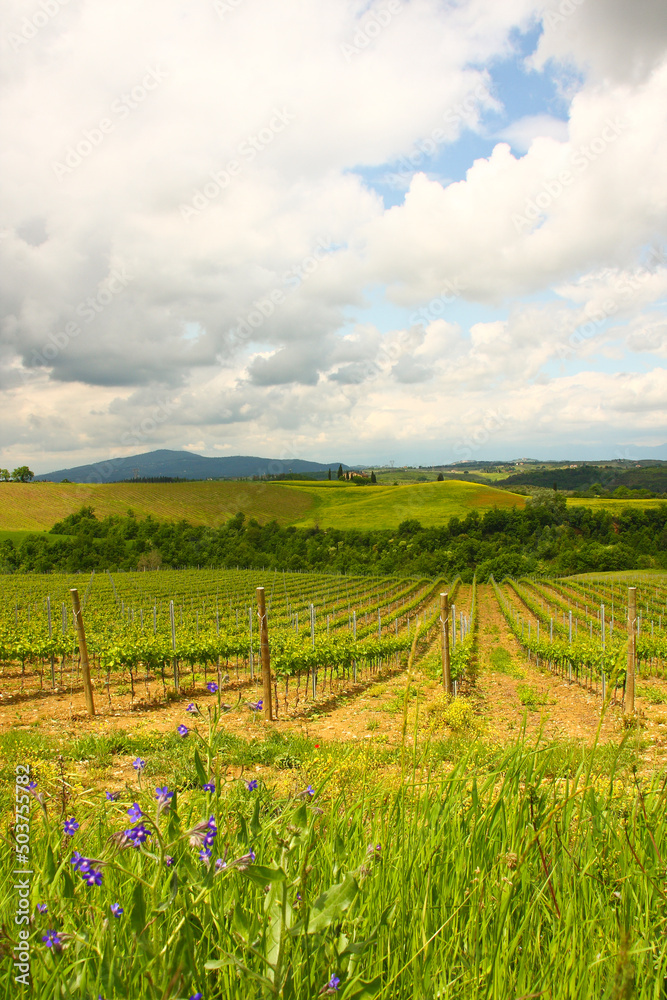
pixel 205 854
pixel 244 861
pixel 209 786
pixel 52 940
pixel 138 764
pixel 332 986
pixel 70 827
pixel 79 863
pixel 168 860
pixel 31 786
pixel 163 795
pixel 182 730
pixel 112 796
pixel 137 834
pixel 374 851
pixel 134 813
pixel 212 687
pixel 220 864
pixel 197 996
pixel 256 706
pixel 192 708
pixel 42 908
pixel 92 876
pixel 116 909
pixel 252 785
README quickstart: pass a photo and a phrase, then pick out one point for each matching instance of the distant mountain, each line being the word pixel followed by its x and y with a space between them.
pixel 185 465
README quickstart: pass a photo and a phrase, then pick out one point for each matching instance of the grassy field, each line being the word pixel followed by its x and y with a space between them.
pixel 37 506
pixel 614 506
pixel 334 506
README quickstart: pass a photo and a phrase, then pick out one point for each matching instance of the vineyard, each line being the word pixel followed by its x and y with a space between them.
pixel 184 847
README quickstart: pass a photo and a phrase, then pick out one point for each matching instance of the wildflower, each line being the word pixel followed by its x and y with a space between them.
pixel 209 786
pixel 212 687
pixel 252 785
pixel 332 986
pixel 168 860
pixel 78 862
pixel 138 764
pixel 244 861
pixel 112 796
pixel 70 827
pixel 197 996
pixel 205 854
pixel 307 793
pixel 137 835
pixel 163 795
pixel 31 786
pixel 135 813
pixel 182 730
pixel 317 746
pixel 373 852
pixel 92 876
pixel 52 940
pixel 116 910
pixel 212 832
pixel 203 834
pixel 42 908
pixel 220 864
pixel 192 708
pixel 256 706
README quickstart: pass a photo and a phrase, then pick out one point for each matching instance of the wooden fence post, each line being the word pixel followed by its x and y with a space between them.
pixel 632 651
pixel 444 642
pixel 83 652
pixel 264 654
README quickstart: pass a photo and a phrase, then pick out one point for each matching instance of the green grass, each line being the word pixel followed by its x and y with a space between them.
pixel 614 506
pixel 335 506
pixel 528 870
pixel 501 661
pixel 531 697
pixel 653 695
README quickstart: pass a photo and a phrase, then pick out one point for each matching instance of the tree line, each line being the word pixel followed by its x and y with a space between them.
pixel 545 537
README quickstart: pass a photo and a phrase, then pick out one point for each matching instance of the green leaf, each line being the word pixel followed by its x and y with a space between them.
pixel 255 824
pixel 261 875
pixel 362 989
pixel 138 914
pixel 199 768
pixel 68 886
pixel 50 867
pixel 240 924
pixel 330 906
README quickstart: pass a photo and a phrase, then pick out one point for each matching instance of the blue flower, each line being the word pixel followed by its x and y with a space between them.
pixel 137 834
pixel 182 730
pixel 92 876
pixel 252 785
pixel 209 786
pixel 220 864
pixel 168 860
pixel 112 796
pixel 163 795
pixel 138 764
pixel 135 813
pixel 70 827
pixel 116 909
pixel 212 687
pixel 42 908
pixel 78 862
pixel 197 996
pixel 205 854
pixel 52 940
pixel 192 707
pixel 256 706
pixel 332 986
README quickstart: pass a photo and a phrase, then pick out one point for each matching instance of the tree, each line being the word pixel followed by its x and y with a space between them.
pixel 441 478
pixel 22 474
pixel 329 476
pixel 4 475
pixel 340 471
pixel 373 477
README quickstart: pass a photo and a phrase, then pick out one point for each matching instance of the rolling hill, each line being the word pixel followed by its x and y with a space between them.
pixel 37 506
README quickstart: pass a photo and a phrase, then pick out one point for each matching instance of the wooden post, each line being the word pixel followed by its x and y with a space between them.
pixel 444 620
pixel 264 654
pixel 173 643
pixel 632 651
pixel 83 651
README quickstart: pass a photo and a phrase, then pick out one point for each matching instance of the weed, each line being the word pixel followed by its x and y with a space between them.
pixel 501 661
pixel 531 697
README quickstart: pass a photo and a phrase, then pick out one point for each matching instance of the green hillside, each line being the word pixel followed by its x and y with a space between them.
pixel 37 506
pixel 366 508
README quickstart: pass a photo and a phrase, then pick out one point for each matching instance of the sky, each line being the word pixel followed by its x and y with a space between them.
pixel 409 231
